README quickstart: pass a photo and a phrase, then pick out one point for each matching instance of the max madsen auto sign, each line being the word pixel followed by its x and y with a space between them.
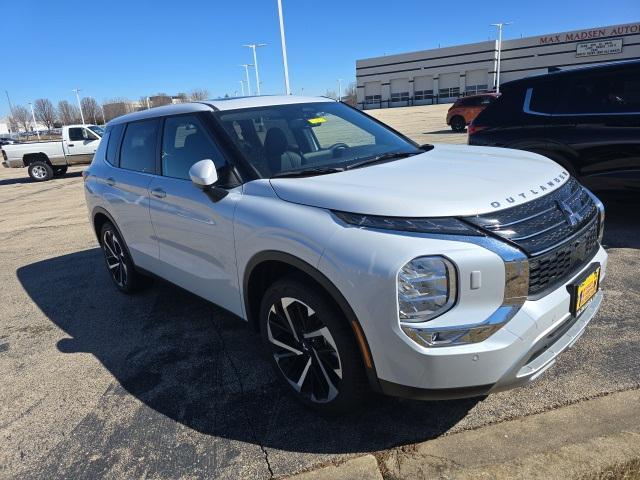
pixel 593 34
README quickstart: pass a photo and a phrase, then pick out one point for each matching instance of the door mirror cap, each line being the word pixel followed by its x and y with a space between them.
pixel 203 173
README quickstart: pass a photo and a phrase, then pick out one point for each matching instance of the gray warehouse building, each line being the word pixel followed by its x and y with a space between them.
pixel 443 74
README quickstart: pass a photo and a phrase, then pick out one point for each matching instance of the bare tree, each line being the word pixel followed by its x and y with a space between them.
pixel 199 94
pixel 91 109
pixel 14 125
pixel 45 112
pixel 182 96
pixel 22 117
pixel 331 94
pixel 350 96
pixel 116 107
pixel 68 113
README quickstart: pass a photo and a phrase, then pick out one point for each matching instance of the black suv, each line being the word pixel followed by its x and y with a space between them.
pixel 586 119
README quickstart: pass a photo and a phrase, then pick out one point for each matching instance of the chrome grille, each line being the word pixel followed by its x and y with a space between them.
pixel 559 233
pixel 543 223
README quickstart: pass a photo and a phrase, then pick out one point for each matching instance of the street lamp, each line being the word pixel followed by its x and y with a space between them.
pixel 500 26
pixel 242 86
pixel 254 46
pixel 78 90
pixel 284 50
pixel 35 125
pixel 246 71
pixel 339 89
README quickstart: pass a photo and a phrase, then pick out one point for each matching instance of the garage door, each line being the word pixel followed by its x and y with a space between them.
pixel 476 81
pixel 449 86
pixel 423 89
pixel 400 91
pixel 372 93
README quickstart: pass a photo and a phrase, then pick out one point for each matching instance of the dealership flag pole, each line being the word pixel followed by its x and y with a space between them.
pixel 284 50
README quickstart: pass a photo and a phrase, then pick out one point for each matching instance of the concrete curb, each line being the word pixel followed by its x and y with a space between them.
pixel 564 443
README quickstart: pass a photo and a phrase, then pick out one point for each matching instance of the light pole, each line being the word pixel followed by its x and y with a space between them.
pixel 284 50
pixel 242 86
pixel 246 72
pixel 339 89
pixel 500 27
pixel 35 125
pixel 78 90
pixel 254 46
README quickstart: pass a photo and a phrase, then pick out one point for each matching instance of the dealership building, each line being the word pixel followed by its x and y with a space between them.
pixel 441 75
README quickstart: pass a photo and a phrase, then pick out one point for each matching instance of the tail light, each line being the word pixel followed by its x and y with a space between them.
pixel 473 129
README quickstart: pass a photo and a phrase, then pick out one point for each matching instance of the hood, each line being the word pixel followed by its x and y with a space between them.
pixel 450 180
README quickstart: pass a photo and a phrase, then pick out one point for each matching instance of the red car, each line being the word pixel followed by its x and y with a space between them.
pixel 465 109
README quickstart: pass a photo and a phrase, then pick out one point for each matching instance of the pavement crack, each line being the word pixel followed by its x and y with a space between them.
pixel 254 433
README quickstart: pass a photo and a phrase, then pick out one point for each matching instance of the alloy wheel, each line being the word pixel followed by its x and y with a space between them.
pixel 304 350
pixel 115 256
pixel 39 171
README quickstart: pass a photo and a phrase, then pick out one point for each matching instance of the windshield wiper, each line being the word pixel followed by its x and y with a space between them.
pixel 382 158
pixel 309 172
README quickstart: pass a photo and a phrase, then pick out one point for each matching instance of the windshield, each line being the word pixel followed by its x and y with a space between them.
pixel 97 130
pixel 309 136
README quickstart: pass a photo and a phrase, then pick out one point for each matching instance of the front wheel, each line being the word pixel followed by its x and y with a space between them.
pixel 458 124
pixel 312 347
pixel 40 171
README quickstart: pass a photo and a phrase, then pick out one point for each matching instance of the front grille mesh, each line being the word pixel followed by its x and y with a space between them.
pixel 559 232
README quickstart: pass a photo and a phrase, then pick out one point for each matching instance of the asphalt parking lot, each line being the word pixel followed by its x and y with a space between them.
pixel 164 385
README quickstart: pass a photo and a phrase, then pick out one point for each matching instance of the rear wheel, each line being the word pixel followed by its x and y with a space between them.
pixel 118 260
pixel 458 124
pixel 40 171
pixel 60 170
pixel 312 347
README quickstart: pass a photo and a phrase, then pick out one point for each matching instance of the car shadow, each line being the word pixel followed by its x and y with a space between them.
pixel 27 178
pixel 203 367
pixel 443 132
pixel 622 220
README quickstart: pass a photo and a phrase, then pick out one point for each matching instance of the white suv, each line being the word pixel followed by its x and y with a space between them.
pixel 365 260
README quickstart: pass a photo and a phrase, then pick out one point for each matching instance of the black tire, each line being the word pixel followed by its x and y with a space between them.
pixel 40 171
pixel 328 367
pixel 118 260
pixel 458 124
pixel 60 170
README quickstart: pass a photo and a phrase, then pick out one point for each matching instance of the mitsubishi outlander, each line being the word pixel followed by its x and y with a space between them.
pixel 364 260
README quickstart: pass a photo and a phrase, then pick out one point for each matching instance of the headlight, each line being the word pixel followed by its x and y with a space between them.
pixel 426 288
pixel 445 225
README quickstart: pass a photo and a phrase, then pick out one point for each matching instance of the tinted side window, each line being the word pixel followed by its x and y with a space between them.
pixel 139 146
pixel 184 143
pixel 102 147
pixel 75 134
pixel 544 97
pixel 113 146
pixel 603 93
pixel 505 110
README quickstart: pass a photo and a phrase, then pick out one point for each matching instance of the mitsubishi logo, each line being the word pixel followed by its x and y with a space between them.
pixel 572 218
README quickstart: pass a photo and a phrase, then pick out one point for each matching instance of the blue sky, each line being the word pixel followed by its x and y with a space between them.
pixel 133 48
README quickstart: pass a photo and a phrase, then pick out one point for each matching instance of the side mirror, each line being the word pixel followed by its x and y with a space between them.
pixel 203 173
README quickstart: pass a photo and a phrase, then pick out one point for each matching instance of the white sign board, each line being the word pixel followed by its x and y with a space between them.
pixel 599 47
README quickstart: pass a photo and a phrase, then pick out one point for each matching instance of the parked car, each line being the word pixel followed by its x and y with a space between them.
pixel 586 119
pixel 7 141
pixel 465 109
pixel 46 159
pixel 363 259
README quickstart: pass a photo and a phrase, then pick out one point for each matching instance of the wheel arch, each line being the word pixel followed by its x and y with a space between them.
pixel 268 266
pixel 29 158
pixel 99 216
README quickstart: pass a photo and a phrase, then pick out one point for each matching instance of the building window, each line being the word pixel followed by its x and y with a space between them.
pixel 369 99
pixel 423 94
pixel 449 92
pixel 473 89
pixel 400 97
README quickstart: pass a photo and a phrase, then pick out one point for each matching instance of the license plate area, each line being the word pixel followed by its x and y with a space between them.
pixel 584 288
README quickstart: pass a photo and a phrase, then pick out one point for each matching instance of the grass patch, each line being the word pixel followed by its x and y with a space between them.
pixel 622 471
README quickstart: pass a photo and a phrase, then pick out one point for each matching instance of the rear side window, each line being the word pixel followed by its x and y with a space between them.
pixel 544 97
pixel 113 143
pixel 102 147
pixel 138 150
pixel 185 142
pixel 602 93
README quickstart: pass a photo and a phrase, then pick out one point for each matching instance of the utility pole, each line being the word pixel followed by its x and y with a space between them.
pixel 242 86
pixel 78 90
pixel 500 26
pixel 254 46
pixel 35 125
pixel 148 106
pixel 246 71
pixel 284 50
pixel 339 89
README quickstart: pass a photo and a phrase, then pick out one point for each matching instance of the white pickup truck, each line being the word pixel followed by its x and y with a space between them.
pixel 46 159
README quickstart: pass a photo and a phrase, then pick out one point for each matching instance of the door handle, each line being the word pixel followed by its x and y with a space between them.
pixel 158 193
pixel 111 181
pixel 69 144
